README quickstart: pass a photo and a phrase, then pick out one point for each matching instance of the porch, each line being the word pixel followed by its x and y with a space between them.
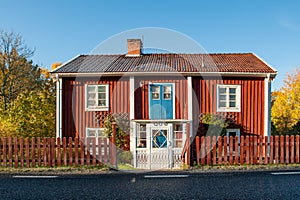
pixel 159 144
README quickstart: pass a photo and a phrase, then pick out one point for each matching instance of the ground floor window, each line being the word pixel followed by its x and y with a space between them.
pixel 141 139
pixel 177 135
pixel 95 134
pixel 233 133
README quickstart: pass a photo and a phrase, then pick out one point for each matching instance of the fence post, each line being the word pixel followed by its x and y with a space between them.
pixel 203 155
pixel 58 152
pixel 230 150
pixel 76 151
pixel 292 149
pixel 16 152
pixel 33 152
pixel 113 156
pixel 53 153
pixel 27 152
pixel 281 149
pixel 242 151
pixel 10 151
pixel 208 150
pixel 297 149
pixel 266 149
pixel 287 149
pixel 198 149
pixel 21 152
pixel 70 144
pixel 255 150
pixel 220 150
pixel 214 151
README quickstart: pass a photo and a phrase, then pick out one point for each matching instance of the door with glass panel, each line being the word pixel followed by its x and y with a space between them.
pixel 161 101
pixel 159 145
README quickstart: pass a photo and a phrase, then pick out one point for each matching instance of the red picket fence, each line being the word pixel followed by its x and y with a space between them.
pixel 247 150
pixel 51 152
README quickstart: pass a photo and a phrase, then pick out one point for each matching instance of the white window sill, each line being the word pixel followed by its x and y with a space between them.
pixel 228 110
pixel 97 109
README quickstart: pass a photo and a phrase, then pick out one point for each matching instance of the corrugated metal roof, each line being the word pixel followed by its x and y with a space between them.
pixel 231 62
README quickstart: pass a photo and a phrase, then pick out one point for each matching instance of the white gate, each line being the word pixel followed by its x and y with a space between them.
pixel 162 147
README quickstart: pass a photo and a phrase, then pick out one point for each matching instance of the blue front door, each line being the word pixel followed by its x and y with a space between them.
pixel 161 101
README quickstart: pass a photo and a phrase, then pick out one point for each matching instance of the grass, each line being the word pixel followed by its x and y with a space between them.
pixel 245 167
pixel 127 167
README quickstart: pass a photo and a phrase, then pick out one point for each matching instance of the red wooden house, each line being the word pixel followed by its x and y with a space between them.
pixel 163 96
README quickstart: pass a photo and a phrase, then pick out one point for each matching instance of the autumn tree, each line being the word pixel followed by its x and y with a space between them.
pixel 27 92
pixel 17 72
pixel 286 105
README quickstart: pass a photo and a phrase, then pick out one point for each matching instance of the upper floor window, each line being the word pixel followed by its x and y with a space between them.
pixel 97 97
pixel 228 98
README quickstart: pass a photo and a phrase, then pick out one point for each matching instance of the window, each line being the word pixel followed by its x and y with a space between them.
pixel 97 97
pixel 94 134
pixel 177 136
pixel 167 92
pixel 155 92
pixel 233 133
pixel 141 136
pixel 228 98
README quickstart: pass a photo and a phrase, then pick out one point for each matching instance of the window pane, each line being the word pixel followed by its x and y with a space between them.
pixel 155 89
pixel 222 90
pixel 91 96
pixel 142 128
pixel 155 95
pixel 91 133
pixel 167 88
pixel 101 95
pixel 101 88
pixel 231 97
pixel 91 103
pixel 178 144
pixel 222 104
pixel 233 134
pixel 222 97
pixel 91 88
pixel 178 127
pixel 232 90
pixel 101 103
pixel 167 96
pixel 232 104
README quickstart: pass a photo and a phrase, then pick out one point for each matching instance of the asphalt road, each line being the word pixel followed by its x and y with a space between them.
pixel 245 185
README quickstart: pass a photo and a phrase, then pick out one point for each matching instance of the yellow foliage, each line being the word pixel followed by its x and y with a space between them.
pixel 286 106
pixel 56 65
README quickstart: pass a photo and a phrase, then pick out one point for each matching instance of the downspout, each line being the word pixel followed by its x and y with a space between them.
pixel 58 107
pixel 267 120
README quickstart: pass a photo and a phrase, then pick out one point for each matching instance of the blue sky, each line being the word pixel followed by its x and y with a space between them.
pixel 62 29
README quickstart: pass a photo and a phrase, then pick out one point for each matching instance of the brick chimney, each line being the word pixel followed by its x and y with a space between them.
pixel 135 47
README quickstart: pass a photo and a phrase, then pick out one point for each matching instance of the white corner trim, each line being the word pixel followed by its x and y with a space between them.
pixel 58 107
pixel 267 103
pixel 190 98
pixel 131 92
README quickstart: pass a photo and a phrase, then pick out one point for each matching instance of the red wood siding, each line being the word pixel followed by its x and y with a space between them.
pixel 75 118
pixel 142 95
pixel 251 116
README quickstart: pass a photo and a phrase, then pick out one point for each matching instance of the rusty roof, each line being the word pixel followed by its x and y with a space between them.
pixel 229 62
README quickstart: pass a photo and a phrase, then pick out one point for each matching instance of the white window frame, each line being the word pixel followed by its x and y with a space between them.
pixel 98 134
pixel 97 108
pixel 237 107
pixel 237 133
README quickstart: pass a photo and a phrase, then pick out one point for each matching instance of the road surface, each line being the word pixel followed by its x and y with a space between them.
pixel 154 185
